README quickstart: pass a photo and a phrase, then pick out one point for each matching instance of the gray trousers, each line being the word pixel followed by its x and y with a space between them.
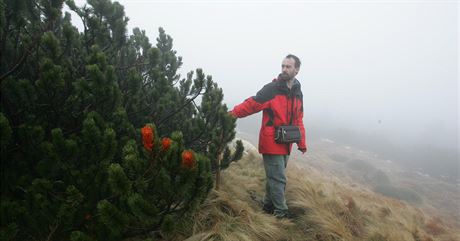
pixel 275 185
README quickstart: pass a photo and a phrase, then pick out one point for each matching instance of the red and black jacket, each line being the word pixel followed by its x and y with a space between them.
pixel 277 102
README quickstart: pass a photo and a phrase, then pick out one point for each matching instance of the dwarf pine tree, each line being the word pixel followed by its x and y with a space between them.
pixel 75 164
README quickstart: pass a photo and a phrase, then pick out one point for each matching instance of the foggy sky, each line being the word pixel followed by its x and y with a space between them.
pixel 387 67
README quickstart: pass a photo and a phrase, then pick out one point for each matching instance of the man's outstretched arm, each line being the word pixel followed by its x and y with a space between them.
pixel 253 104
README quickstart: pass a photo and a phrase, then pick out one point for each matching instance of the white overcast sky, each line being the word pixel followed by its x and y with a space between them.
pixel 362 61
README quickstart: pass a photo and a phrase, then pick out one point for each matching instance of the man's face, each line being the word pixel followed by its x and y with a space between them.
pixel 288 69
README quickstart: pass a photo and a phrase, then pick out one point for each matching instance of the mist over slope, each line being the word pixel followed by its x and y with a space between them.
pixel 426 177
pixel 421 156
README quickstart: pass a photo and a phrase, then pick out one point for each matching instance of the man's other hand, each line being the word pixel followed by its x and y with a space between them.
pixel 303 150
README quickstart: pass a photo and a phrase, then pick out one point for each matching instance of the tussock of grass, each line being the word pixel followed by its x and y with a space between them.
pixel 230 214
pixel 224 218
pixel 435 226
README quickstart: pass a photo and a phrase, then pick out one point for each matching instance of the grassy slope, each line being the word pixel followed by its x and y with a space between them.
pixel 328 210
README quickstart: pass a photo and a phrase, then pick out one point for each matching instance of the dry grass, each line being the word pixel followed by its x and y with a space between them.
pixel 230 214
pixel 328 210
pixel 434 226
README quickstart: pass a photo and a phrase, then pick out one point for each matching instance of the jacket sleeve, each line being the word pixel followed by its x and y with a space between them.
pixel 302 145
pixel 254 104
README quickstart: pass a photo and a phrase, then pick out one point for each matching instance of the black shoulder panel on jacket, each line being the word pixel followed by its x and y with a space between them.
pixel 266 93
pixel 298 94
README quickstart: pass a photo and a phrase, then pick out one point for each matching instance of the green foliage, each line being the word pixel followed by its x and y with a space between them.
pixel 238 154
pixel 168 224
pixel 79 236
pixel 5 131
pixel 9 232
pixel 118 180
pixel 72 162
pixel 112 218
pixel 228 157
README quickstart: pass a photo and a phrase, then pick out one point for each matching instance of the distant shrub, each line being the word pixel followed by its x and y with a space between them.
pixel 380 177
pixel 339 157
pixel 400 193
pixel 377 177
pixel 360 165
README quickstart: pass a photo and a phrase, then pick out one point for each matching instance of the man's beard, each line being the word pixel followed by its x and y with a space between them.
pixel 284 76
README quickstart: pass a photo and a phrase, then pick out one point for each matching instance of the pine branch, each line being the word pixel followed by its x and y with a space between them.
pixel 17 64
pixel 137 64
pixel 180 108
pixel 26 53
pixel 205 129
pixel 53 230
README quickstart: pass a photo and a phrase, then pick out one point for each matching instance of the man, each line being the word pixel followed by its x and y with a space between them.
pixel 281 102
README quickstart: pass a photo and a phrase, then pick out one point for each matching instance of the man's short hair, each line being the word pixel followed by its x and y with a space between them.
pixel 295 58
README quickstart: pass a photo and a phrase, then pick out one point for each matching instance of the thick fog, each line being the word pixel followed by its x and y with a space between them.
pixel 383 69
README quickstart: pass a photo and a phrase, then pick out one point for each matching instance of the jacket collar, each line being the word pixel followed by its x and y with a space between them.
pixel 283 86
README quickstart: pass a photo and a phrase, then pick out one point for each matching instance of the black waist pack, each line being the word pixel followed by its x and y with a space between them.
pixel 287 134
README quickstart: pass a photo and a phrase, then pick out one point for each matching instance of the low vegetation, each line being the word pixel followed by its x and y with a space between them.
pixel 326 211
pixel 398 193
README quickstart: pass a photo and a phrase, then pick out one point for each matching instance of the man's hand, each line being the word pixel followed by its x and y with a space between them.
pixel 303 150
pixel 232 114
